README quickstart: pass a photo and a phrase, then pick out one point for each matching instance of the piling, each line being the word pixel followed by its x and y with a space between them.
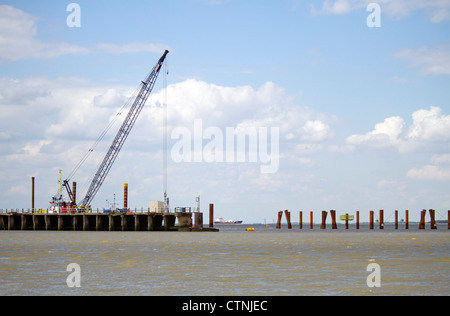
pixel 288 218
pixel 300 225
pixel 198 217
pixel 333 219
pixel 211 215
pixel 324 218
pixel 280 215
pixel 406 219
pixel 371 219
pixel 74 193
pixel 448 219
pixel 396 219
pixel 433 220
pixel 32 194
pixel 357 219
pixel 381 219
pixel 346 220
pixel 311 224
pixel 422 219
pixel 125 196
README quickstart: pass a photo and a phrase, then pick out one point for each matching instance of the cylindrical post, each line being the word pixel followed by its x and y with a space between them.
pixel 346 221
pixel 74 193
pixel 357 219
pixel 301 220
pixel 125 196
pixel 406 219
pixel 280 215
pixel 211 215
pixel 288 218
pixel 32 194
pixel 333 219
pixel 422 219
pixel 448 219
pixel 324 218
pixel 371 219
pixel 381 219
pixel 396 219
pixel 311 224
pixel 433 221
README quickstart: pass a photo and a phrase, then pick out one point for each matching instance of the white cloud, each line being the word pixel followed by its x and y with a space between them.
pixel 337 7
pixel 50 123
pixel 243 106
pixel 436 10
pixel 439 169
pixel 132 47
pixel 430 125
pixel 384 135
pixel 430 130
pixel 19 40
pixel 431 60
pixel 316 131
pixel 430 172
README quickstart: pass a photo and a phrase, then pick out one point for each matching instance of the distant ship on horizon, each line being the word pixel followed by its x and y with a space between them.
pixel 221 221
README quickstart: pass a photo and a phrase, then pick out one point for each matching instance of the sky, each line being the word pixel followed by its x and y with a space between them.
pixel 354 101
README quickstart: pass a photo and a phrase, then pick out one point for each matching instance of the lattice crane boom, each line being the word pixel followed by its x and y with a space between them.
pixel 124 131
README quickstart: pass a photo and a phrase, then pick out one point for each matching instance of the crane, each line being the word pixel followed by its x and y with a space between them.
pixel 144 92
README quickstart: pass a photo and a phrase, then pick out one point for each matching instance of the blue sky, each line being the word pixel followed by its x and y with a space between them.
pixel 364 113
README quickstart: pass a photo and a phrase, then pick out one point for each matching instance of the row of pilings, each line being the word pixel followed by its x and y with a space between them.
pixel 347 218
pixel 100 222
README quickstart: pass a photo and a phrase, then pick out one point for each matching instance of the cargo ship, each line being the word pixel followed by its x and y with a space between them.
pixel 221 221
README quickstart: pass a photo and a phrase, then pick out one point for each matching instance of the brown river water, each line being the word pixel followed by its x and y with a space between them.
pixel 230 262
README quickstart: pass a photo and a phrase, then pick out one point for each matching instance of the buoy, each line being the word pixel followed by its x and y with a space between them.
pixel 267 226
pixel 250 229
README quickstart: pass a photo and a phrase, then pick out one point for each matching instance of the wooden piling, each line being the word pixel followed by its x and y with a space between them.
pixel 333 219
pixel 357 219
pixel 422 219
pixel 371 220
pixel 211 215
pixel 448 219
pixel 311 224
pixel 324 218
pixel 381 219
pixel 280 215
pixel 406 219
pixel 288 218
pixel 346 220
pixel 433 220
pixel 300 225
pixel 396 219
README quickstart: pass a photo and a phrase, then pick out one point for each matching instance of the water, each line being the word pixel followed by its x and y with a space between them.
pixel 231 262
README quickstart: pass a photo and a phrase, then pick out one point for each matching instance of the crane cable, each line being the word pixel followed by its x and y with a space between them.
pixel 166 73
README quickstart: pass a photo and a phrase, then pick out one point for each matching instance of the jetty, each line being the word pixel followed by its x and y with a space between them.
pixel 149 221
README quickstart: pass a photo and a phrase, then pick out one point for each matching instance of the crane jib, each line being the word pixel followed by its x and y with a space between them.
pixel 123 132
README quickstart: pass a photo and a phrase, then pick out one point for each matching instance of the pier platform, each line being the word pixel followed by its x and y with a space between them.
pixel 99 222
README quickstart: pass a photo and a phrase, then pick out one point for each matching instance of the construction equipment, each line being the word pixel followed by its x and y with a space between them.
pixel 144 92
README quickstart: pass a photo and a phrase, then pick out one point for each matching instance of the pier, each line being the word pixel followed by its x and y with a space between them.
pixel 101 222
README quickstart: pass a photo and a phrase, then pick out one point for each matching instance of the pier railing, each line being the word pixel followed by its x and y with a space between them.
pixel 88 211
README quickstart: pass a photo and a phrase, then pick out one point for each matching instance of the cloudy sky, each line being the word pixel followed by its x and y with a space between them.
pixel 363 112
